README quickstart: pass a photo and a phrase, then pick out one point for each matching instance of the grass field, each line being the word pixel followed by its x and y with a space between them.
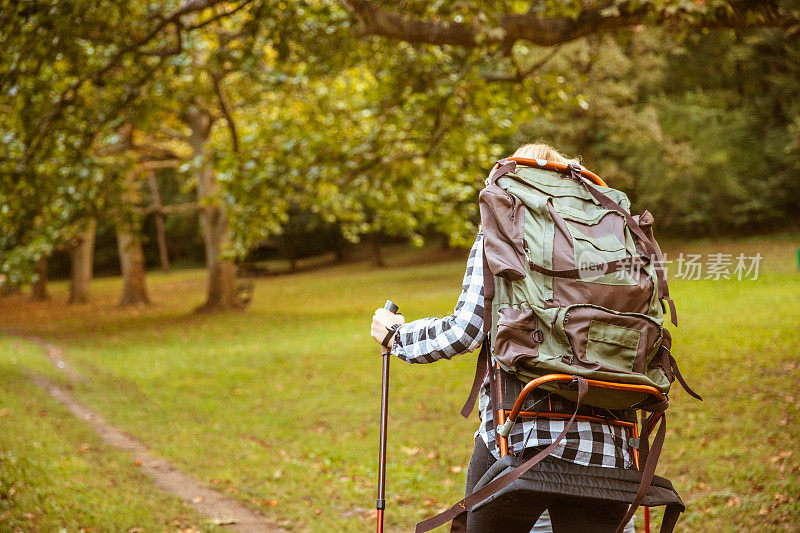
pixel 278 406
pixel 56 474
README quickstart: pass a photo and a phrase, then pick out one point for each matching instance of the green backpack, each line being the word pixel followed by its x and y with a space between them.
pixel 579 283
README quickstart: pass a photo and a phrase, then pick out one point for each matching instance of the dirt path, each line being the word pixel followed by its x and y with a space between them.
pixel 222 509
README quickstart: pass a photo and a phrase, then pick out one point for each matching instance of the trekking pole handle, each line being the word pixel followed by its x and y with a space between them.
pixel 391 307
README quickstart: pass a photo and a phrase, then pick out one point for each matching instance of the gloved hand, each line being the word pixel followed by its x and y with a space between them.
pixel 382 321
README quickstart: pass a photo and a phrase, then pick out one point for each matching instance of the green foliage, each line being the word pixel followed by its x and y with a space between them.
pixel 690 128
pixel 378 136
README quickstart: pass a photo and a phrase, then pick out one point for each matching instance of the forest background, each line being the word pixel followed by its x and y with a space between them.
pixel 136 134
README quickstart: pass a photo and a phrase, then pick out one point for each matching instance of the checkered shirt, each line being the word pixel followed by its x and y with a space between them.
pixel 431 339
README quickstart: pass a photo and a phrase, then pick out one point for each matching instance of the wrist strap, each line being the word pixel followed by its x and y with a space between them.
pixel 389 335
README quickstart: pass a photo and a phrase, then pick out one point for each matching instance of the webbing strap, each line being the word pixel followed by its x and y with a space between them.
pixel 497 484
pixel 589 271
pixel 648 471
pixel 483 364
pixel 503 167
pixel 481 369
pixel 673 365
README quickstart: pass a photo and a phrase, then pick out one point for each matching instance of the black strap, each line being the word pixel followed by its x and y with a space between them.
pixel 671 514
pixel 497 484
pixel 389 335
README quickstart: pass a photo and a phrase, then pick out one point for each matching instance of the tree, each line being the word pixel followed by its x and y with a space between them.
pixel 483 24
pixel 68 73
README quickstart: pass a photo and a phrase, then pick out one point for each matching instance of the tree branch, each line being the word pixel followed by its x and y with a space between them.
pixel 177 209
pixel 171 51
pixel 226 109
pixel 520 75
pixel 218 16
pixel 549 31
pixel 69 94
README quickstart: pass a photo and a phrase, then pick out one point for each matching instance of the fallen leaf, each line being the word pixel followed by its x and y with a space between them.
pixel 317 511
pixel 733 501
pixel 409 451
pixel 197 499
pixel 138 462
pixel 4 412
pixel 456 469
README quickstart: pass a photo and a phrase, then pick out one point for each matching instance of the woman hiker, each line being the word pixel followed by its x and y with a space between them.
pixel 589 443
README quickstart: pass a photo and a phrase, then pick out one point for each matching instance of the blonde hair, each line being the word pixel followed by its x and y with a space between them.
pixel 544 151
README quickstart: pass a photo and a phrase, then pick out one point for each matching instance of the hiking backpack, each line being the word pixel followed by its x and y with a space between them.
pixel 573 284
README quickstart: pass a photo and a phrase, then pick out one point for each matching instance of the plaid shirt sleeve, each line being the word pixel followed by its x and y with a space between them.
pixel 430 339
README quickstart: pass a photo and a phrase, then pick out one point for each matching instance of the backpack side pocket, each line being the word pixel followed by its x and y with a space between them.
pixel 518 335
pixel 503 222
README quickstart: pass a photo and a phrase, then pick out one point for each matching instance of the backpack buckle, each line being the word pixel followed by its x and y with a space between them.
pixel 575 172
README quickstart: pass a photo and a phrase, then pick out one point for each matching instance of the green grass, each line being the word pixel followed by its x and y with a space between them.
pixel 56 474
pixel 281 403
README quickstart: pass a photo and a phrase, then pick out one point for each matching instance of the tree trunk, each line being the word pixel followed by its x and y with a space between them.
pixel 161 234
pixel 82 260
pixel 39 287
pixel 130 251
pixel 222 293
pixel 340 248
pixel 132 264
pixel 288 245
pixel 377 253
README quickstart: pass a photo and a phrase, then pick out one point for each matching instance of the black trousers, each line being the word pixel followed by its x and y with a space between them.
pixel 567 514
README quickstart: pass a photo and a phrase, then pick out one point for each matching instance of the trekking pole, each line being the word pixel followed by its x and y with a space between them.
pixel 381 503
